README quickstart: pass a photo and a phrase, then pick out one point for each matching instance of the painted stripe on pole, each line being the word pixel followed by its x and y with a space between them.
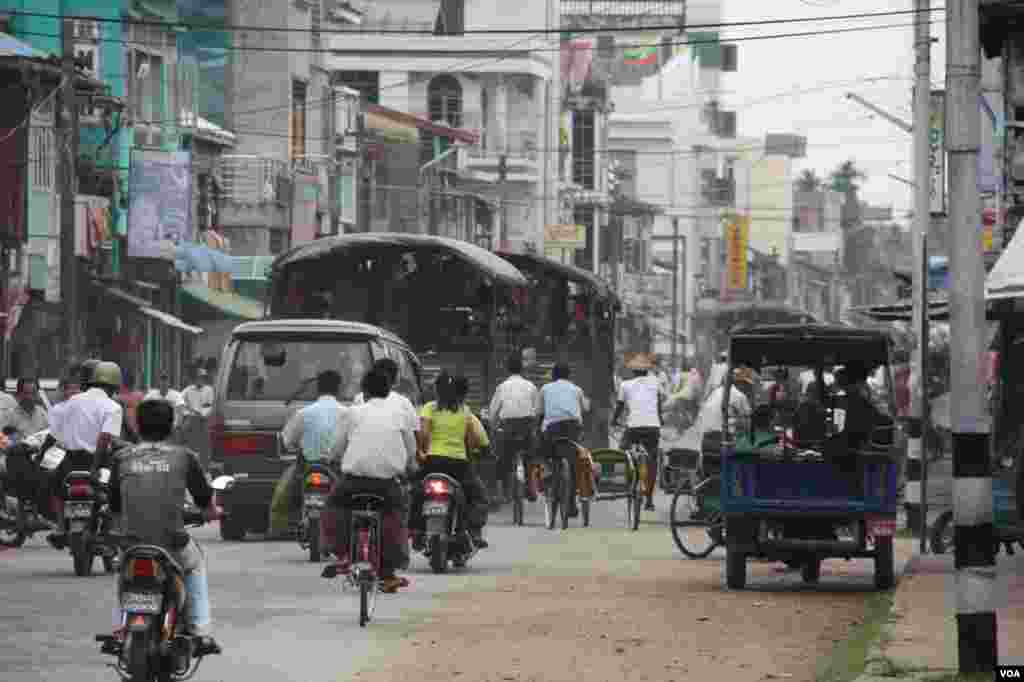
pixel 972 501
pixel 976 590
pixel 912 493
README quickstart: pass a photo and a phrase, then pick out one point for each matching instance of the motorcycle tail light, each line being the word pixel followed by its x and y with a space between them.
pixel 80 489
pixel 318 481
pixel 142 568
pixel 436 487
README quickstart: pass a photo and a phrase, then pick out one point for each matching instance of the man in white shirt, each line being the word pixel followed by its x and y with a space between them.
pixel 163 391
pixel 198 396
pixel 709 421
pixel 86 425
pixel 401 402
pixel 377 446
pixel 644 396
pixel 513 413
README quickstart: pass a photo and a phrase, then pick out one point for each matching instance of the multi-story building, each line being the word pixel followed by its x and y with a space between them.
pixel 132 48
pixel 501 87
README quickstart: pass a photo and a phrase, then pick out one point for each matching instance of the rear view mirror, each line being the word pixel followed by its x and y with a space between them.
pixel 274 354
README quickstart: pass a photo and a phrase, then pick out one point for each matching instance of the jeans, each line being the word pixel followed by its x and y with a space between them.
pixel 649 437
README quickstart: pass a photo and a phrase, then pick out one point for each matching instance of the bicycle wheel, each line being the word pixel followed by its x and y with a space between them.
pixel 551 495
pixel 566 492
pixel 695 538
pixel 518 490
pixel 364 603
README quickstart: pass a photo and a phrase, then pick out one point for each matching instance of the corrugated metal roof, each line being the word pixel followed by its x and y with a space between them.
pixel 12 47
pixel 485 261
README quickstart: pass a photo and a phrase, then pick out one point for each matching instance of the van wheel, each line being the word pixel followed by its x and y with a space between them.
pixel 231 530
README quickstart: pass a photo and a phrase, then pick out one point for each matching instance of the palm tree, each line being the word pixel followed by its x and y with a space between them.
pixel 808 181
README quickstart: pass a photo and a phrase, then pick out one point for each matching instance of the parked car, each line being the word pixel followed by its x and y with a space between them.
pixel 268 371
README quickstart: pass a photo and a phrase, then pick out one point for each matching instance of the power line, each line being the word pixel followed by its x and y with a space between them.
pixel 230 28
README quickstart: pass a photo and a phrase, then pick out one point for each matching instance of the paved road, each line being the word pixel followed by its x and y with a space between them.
pixel 277 620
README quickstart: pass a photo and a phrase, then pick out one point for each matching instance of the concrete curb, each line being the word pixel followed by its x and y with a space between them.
pixel 879 667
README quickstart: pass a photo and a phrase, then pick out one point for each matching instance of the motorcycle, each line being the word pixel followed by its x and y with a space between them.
pixel 25 474
pixel 314 497
pixel 87 518
pixel 446 537
pixel 151 644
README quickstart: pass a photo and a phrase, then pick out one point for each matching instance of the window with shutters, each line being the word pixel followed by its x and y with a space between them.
pixel 150 48
pixel 583 139
pixel 366 82
pixel 298 127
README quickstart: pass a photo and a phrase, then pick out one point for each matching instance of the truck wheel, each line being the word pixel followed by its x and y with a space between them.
pixel 885 564
pixel 735 569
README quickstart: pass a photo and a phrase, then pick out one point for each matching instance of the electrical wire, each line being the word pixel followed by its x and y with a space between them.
pixel 35 110
pixel 231 28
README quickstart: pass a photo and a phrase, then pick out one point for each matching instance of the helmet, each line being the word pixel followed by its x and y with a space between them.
pixel 107 374
pixel 86 371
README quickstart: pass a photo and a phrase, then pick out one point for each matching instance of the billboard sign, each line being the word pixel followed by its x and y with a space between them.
pixel 565 236
pixel 160 204
pixel 937 151
pixel 737 240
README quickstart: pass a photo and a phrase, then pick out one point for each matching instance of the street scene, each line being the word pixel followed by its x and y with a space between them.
pixel 590 339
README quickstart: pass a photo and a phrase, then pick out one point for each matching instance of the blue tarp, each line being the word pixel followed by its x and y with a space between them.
pixel 190 257
pixel 12 47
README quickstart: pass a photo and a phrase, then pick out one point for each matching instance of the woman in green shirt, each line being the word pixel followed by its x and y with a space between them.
pixel 448 433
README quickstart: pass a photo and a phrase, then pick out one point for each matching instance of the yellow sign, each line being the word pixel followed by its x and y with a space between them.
pixel 737 238
pixel 986 238
pixel 565 236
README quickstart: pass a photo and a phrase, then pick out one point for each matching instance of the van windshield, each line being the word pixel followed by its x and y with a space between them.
pixel 280 369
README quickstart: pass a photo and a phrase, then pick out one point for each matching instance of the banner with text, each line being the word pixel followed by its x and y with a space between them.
pixel 737 239
pixel 160 204
pixel 565 236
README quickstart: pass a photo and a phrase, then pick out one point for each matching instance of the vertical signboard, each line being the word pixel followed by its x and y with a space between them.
pixel 937 151
pixel 160 206
pixel 737 238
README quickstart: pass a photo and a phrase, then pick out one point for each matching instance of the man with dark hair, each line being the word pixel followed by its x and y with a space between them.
pixel 314 431
pixel 401 403
pixel 513 413
pixel 560 408
pixel 28 416
pixel 376 446
pixel 147 488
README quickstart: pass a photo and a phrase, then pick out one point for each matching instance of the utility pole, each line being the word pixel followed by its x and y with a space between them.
pixel 974 555
pixel 675 291
pixel 502 180
pixel 67 119
pixel 916 454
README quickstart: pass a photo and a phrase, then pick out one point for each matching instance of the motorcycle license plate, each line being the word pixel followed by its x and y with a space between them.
pixel 141 602
pixel 78 510
pixel 435 509
pixel 316 501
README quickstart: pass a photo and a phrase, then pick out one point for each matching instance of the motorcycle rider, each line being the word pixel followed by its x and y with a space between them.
pixel 314 431
pixel 448 434
pixel 560 408
pixel 644 395
pixel 513 411
pixel 148 482
pixel 378 445
pixel 86 425
pixel 29 416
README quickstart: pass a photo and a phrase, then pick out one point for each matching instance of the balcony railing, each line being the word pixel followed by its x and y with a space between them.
pixel 519 142
pixel 624 8
pixel 255 179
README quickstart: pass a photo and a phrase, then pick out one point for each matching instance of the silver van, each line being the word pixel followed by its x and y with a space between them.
pixel 268 371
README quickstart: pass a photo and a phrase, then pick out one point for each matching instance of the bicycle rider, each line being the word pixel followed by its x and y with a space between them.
pixel 560 408
pixel 513 409
pixel 644 395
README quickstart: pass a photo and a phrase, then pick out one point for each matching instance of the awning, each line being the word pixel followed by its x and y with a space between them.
pixel 481 260
pixel 228 303
pixel 384 118
pixel 146 308
pixel 1006 280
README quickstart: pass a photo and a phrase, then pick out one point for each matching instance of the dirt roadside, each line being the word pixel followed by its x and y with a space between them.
pixel 609 605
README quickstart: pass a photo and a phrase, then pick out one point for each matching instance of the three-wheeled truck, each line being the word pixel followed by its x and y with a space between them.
pixel 812 473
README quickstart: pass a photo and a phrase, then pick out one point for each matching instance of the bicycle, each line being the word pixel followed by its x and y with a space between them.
pixel 365 553
pixel 518 478
pixel 695 506
pixel 559 488
pixel 637 462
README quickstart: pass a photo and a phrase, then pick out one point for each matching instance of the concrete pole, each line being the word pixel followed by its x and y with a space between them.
pixel 922 214
pixel 675 292
pixel 67 143
pixel 972 472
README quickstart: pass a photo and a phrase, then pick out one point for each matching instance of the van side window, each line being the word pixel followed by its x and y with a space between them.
pixel 408 381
